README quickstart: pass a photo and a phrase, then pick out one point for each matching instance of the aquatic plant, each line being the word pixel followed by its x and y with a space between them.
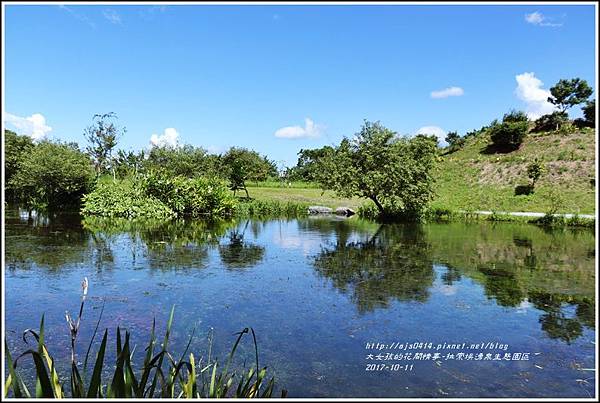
pixel 161 375
pixel 156 195
pixel 271 208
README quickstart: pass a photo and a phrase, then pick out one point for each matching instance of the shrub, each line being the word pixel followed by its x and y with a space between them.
pixel 191 197
pixel 514 117
pixel 53 175
pixel 550 122
pixel 508 135
pixel 123 199
pixel 534 171
pixel 455 142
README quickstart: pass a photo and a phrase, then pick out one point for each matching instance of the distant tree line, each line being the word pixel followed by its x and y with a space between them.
pixel 57 174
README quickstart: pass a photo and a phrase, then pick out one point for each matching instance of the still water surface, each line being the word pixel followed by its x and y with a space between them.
pixel 317 291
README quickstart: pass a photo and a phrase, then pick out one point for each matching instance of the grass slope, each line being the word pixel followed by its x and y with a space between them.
pixel 470 179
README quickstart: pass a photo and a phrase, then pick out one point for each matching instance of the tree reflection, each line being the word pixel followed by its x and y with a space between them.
pixel 173 244
pixel 238 253
pixel 393 264
pixel 52 241
pixel 502 285
pixel 556 321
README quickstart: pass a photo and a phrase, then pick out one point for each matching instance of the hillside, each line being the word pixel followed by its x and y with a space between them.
pixel 471 179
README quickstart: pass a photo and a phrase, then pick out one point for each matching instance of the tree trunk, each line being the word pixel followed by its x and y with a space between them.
pixel 379 206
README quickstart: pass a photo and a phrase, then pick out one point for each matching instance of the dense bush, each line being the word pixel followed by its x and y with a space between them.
pixel 123 199
pixel 191 197
pixel 514 117
pixel 52 175
pixel 455 142
pixel 160 196
pixel 509 134
pixel 550 122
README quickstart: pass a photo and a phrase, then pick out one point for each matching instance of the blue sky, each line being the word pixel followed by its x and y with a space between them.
pixel 280 78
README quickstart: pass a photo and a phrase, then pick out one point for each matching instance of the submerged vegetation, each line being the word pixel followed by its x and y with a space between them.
pixel 161 374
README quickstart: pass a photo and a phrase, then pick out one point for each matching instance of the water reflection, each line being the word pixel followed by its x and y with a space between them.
pixel 515 265
pixel 392 264
pixel 330 285
pixel 559 321
pixel 237 253
pixel 374 265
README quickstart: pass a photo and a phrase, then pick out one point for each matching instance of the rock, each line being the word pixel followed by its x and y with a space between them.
pixel 347 211
pixel 319 210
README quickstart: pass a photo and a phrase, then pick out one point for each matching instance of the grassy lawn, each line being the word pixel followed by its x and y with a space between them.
pixel 304 195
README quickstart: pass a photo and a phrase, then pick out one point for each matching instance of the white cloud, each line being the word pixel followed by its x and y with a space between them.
pixel 112 16
pixel 529 90
pixel 167 139
pixel 80 17
pixel 310 130
pixel 447 92
pixel 33 126
pixel 148 13
pixel 435 131
pixel 536 18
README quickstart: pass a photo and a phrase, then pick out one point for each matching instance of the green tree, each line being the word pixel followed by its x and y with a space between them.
pixel 395 173
pixel 534 171
pixel 128 163
pixel 568 93
pixel 454 141
pixel 102 137
pixel 16 149
pixel 589 113
pixel 509 134
pixel 242 164
pixel 551 121
pixel 307 167
pixel 186 160
pixel 515 116
pixel 54 175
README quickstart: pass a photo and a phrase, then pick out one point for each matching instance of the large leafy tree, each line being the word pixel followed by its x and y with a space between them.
pixel 394 172
pixel 568 93
pixel 16 149
pixel 54 175
pixel 242 165
pixel 589 113
pixel 186 160
pixel 307 167
pixel 102 137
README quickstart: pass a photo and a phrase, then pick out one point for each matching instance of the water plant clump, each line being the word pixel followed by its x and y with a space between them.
pixel 156 195
pixel 161 375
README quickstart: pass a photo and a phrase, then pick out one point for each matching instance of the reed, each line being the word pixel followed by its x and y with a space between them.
pixel 161 375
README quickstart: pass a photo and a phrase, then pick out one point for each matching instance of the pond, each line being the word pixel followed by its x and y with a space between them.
pixel 340 307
